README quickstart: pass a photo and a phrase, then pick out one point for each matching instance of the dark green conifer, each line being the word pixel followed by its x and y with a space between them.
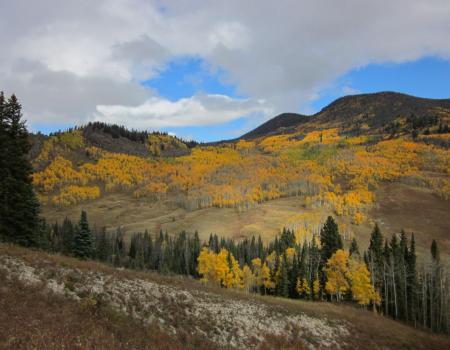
pixel 19 207
pixel 83 245
pixel 435 251
pixel 330 239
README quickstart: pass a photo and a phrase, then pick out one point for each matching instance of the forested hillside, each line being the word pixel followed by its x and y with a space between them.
pixel 336 162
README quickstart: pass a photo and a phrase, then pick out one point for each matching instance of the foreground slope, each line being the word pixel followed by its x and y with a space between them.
pixel 42 295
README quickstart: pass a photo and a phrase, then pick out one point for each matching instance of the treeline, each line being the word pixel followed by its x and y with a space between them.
pixel 386 277
pixel 117 131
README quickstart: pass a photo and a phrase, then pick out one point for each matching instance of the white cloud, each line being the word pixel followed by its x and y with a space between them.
pixel 74 60
pixel 198 110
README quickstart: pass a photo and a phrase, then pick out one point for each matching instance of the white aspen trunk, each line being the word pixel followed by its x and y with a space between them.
pixel 395 288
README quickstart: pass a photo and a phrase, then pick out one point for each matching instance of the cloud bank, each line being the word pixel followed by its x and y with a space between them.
pixel 77 60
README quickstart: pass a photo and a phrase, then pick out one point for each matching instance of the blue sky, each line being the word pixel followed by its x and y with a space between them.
pixel 428 77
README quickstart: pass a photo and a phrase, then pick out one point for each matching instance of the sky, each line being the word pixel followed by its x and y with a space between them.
pixel 209 70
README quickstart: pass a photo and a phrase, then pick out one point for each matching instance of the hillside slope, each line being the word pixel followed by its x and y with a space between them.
pixel 293 172
pixel 177 312
pixel 376 110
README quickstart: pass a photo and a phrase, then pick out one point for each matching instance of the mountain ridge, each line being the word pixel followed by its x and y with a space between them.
pixel 377 109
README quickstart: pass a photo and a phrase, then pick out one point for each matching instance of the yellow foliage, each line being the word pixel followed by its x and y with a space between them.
pixel 303 288
pixel 60 172
pixel 361 286
pixel 358 218
pixel 221 268
pixel 336 270
pixel 316 287
pixel 74 194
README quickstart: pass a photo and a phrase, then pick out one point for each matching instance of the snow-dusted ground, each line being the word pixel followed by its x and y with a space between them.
pixel 235 322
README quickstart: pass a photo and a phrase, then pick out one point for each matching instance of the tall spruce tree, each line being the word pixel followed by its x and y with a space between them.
pixel 375 257
pixel 4 169
pixel 283 282
pixel 330 239
pixel 19 207
pixel 83 245
pixel 412 281
pixel 435 251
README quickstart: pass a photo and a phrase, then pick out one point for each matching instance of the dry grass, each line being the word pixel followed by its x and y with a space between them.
pixel 34 319
pixel 134 215
pixel 415 210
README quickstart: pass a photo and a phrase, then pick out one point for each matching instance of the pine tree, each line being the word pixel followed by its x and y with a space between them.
pixel 435 251
pixel 330 239
pixel 375 257
pixel 293 276
pixel 412 280
pixel 67 233
pixel 83 246
pixel 19 207
pixel 283 281
pixel 4 170
pixel 102 248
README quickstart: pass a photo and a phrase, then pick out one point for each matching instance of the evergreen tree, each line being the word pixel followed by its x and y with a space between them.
pixel 375 258
pixel 102 249
pixel 283 281
pixel 4 169
pixel 67 233
pixel 330 239
pixel 435 251
pixel 293 275
pixel 412 280
pixel 19 207
pixel 83 246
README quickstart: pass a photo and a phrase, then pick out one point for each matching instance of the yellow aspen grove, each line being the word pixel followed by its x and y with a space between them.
pixel 234 277
pixel 206 265
pixel 222 269
pixel 336 271
pixel 361 286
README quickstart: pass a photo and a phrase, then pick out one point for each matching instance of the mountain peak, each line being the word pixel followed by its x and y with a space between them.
pixel 377 109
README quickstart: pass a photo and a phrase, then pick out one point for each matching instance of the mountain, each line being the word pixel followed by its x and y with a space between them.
pixel 363 159
pixel 53 301
pixel 377 110
pixel 107 137
pixel 281 123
